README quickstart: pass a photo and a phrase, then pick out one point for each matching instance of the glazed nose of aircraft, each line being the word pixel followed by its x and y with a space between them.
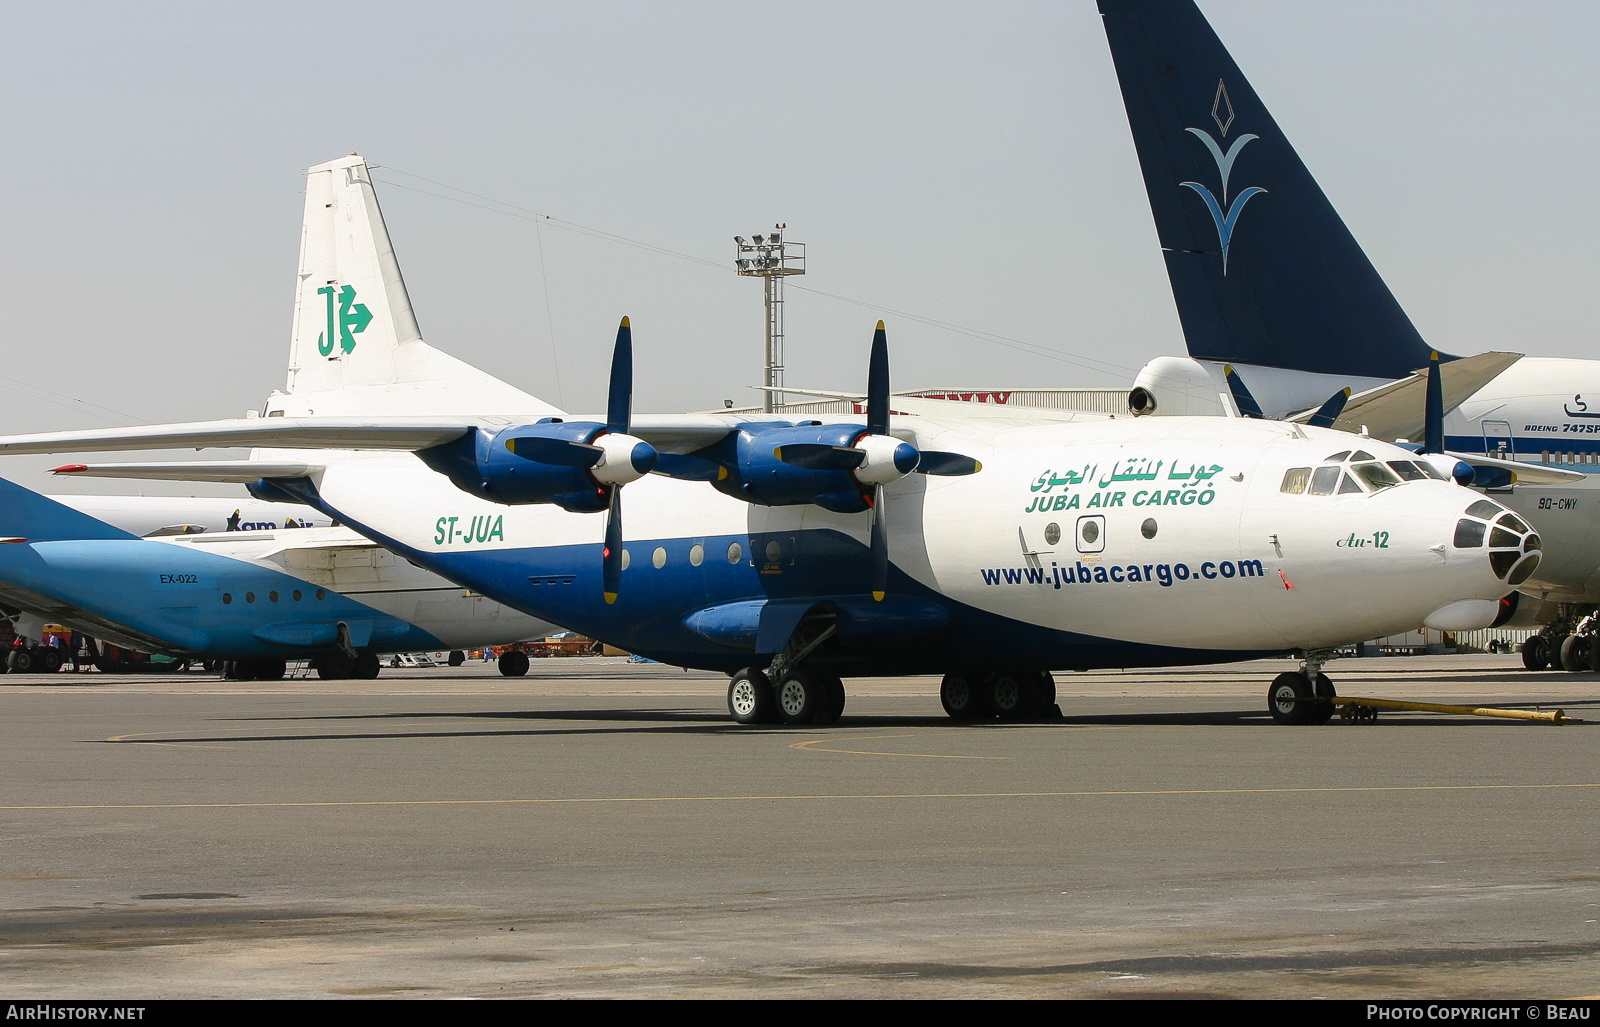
pixel 1495 547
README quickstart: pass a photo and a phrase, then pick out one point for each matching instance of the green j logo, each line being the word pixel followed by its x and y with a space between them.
pixel 352 317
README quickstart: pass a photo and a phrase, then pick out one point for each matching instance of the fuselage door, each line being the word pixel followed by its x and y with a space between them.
pixel 1497 440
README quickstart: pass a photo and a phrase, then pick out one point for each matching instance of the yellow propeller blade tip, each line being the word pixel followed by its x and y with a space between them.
pixel 1347 392
pixel 977 465
pixel 611 597
pixel 1434 355
pixel 511 444
pixel 625 322
pixel 1227 368
pixel 880 326
pixel 877 597
pixel 722 473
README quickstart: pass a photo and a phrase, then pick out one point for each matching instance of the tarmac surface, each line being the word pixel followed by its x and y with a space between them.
pixel 601 828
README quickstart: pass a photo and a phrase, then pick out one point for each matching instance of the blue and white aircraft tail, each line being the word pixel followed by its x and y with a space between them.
pixel 1279 304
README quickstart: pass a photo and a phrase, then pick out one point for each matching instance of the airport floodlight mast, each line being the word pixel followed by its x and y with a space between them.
pixel 772 259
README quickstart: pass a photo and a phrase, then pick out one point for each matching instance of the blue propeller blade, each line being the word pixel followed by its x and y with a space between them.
pixel 1241 396
pixel 880 548
pixel 619 406
pixel 1330 411
pixel 611 556
pixel 878 384
pixel 936 462
pixel 814 456
pixel 559 452
pixel 1433 412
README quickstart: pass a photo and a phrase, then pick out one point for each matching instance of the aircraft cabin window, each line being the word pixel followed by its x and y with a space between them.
pixel 626 558
pixel 697 555
pixel 1485 509
pixel 1407 470
pixel 774 551
pixel 1376 475
pixel 273 595
pixel 227 597
pixel 1469 534
pixel 1295 480
pixel 1348 484
pixel 322 593
pixel 1052 533
pixel 1337 457
pixel 659 557
pixel 1148 528
pixel 1325 480
pixel 297 595
pixel 735 552
pixel 249 597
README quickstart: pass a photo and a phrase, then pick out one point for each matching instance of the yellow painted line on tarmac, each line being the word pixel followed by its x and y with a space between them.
pixel 815 745
pixel 820 797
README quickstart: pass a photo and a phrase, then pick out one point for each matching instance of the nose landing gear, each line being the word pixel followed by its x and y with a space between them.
pixel 1301 697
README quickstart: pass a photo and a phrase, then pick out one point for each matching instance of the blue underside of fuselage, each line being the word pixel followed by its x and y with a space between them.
pixel 562 584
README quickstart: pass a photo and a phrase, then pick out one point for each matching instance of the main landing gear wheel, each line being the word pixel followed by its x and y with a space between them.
pixel 514 664
pixel 457 657
pixel 750 698
pixel 1574 653
pixel 963 699
pixel 334 666
pixel 833 700
pixel 1535 653
pixel 366 666
pixel 801 696
pixel 1015 696
pixel 1290 700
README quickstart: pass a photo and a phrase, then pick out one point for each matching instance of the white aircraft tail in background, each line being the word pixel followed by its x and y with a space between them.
pixel 355 347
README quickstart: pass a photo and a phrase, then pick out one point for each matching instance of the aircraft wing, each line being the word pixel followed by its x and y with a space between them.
pixel 921 406
pixel 401 433
pixel 1395 410
pixel 670 433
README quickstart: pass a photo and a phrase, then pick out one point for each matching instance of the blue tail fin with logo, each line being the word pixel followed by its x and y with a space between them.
pixel 1262 268
pixel 27 515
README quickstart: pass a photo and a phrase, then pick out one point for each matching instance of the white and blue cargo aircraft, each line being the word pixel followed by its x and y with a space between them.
pixel 1281 308
pixel 790 554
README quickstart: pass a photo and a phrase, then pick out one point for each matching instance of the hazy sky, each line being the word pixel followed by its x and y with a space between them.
pixel 965 163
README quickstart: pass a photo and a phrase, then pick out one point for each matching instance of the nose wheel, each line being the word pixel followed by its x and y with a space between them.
pixel 1297 698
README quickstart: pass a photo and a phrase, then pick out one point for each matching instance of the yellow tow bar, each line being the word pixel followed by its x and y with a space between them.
pixel 1360 709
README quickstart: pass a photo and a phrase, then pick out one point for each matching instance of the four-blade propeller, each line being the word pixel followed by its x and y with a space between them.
pixel 876 459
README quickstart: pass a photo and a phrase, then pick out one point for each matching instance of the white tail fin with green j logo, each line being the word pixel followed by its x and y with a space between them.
pixel 356 347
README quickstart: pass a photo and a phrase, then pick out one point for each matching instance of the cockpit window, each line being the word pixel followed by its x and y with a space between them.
pixel 1511 521
pixel 1337 457
pixel 1325 480
pixel 1295 480
pixel 1361 454
pixel 1348 484
pixel 1469 534
pixel 1485 509
pixel 1407 470
pixel 1432 471
pixel 1376 475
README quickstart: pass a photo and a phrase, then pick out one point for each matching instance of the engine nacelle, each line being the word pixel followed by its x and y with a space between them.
pixel 485 465
pixel 759 477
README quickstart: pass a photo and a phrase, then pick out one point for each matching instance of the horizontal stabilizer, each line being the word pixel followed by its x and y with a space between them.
pixel 241 472
pixel 1396 410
